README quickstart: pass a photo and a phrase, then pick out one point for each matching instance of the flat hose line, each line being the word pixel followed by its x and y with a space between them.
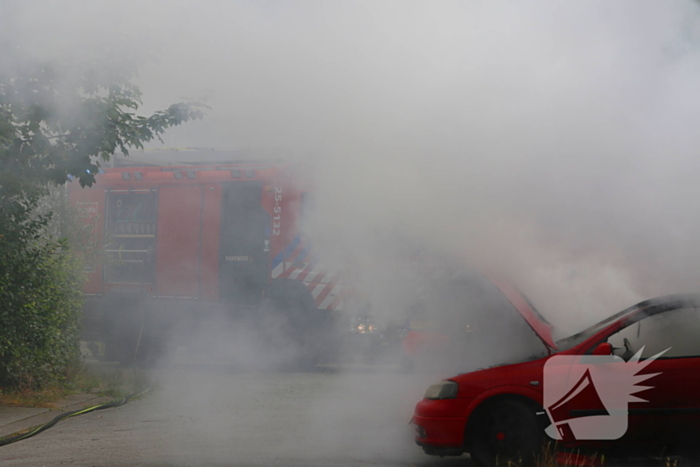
pixel 35 431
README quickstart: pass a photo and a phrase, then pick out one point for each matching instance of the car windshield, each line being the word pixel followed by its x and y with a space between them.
pixel 575 339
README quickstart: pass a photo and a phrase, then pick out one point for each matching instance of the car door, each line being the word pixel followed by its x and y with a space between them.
pixel 669 346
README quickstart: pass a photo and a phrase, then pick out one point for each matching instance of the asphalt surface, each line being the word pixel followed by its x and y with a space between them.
pixel 214 415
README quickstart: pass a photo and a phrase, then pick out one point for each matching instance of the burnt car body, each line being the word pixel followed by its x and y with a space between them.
pixel 501 414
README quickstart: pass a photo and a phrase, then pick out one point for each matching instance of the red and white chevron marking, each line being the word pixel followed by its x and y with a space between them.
pixel 323 282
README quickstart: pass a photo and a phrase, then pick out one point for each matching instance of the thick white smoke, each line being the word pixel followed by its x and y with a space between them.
pixel 555 142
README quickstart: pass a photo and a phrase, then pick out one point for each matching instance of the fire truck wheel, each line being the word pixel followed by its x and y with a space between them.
pixel 292 303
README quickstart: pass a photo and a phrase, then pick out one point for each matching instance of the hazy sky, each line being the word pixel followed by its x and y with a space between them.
pixel 557 139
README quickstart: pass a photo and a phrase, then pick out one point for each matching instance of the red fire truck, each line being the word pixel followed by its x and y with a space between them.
pixel 180 244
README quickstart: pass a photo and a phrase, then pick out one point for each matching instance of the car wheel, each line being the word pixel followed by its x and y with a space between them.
pixel 506 433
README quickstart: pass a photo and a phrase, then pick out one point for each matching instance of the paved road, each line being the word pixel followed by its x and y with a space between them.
pixel 214 415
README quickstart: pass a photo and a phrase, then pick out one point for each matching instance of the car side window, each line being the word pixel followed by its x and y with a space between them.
pixel 677 330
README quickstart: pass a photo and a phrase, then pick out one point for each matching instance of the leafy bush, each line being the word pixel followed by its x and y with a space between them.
pixel 40 306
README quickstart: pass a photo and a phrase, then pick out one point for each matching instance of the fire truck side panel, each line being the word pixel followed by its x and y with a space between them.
pixel 211 226
pixel 182 244
pixel 178 243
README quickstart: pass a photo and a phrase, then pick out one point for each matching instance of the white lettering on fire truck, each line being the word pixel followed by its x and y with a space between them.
pixel 277 211
pixel 236 258
pixel 86 209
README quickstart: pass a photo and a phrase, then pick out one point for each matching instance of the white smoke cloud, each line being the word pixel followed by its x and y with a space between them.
pixel 554 141
pixel 537 135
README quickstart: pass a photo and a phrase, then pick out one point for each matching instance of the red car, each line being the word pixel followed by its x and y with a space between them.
pixel 629 384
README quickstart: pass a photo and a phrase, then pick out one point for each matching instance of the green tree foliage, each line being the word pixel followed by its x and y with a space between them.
pixel 40 304
pixel 55 123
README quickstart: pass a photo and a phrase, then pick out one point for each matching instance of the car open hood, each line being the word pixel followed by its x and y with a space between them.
pixel 538 324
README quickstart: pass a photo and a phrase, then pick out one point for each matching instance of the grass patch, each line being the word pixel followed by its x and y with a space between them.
pixel 112 382
pixel 43 398
pixel 551 456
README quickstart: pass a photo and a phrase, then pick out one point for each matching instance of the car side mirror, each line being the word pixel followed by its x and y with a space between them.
pixel 603 348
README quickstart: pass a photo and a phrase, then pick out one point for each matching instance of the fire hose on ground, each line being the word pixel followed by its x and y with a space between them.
pixel 36 430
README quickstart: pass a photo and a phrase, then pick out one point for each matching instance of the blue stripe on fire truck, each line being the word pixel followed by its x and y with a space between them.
pixel 282 255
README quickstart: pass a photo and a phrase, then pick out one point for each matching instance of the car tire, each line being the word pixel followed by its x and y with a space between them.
pixel 506 433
